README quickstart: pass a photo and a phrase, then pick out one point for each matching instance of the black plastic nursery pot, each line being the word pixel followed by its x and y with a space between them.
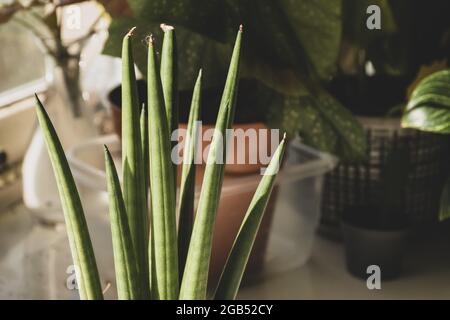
pixel 358 184
pixel 366 246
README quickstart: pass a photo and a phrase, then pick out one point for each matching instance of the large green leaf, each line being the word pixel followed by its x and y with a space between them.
pixel 290 47
pixel 429 110
pixel 287 41
pixel 429 106
pixel 322 122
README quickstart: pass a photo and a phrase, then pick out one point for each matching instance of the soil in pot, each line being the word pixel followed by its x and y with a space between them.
pixel 370 241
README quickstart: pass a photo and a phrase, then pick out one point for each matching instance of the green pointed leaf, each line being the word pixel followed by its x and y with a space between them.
pixel 429 106
pixel 80 243
pixel 187 186
pixel 195 275
pixel 133 166
pixel 152 263
pixel 144 148
pixel 145 155
pixel 169 77
pixel 127 276
pixel 162 186
pixel 231 277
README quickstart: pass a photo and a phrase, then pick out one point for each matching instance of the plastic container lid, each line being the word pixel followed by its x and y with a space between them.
pixel 297 208
pixel 87 163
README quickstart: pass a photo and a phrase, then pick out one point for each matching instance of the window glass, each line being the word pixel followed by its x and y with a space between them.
pixel 21 60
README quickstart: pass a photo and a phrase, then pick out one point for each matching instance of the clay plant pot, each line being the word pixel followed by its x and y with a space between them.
pixel 235 200
pixel 246 150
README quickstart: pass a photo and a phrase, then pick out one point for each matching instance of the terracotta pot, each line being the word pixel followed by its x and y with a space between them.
pixel 233 206
pixel 229 217
pixel 250 154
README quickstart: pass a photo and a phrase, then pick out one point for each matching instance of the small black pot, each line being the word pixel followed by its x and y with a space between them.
pixel 369 245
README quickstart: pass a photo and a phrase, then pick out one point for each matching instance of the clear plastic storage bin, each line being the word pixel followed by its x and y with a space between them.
pixel 296 207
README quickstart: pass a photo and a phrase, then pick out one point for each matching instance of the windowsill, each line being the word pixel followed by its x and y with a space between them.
pixel 425 276
pixel 17 123
pixel 20 94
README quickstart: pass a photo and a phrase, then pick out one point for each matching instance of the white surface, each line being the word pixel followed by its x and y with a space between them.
pixel 31 253
pixel 17 124
pixel 299 184
pixel 426 274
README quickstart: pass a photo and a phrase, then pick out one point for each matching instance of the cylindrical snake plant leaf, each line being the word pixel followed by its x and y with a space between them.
pixel 133 165
pixel 127 277
pixel 88 279
pixel 162 186
pixel 187 186
pixel 169 80
pixel 195 276
pixel 230 90
pixel 231 277
pixel 144 148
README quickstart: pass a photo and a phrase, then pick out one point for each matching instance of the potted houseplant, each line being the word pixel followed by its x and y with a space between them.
pixel 231 209
pixel 376 74
pixel 291 53
pixel 375 234
pixel 170 269
pixel 429 110
pixel 283 71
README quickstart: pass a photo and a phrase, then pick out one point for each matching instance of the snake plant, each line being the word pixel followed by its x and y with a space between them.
pixel 153 259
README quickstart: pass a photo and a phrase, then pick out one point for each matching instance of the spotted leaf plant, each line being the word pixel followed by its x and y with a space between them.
pixel 153 258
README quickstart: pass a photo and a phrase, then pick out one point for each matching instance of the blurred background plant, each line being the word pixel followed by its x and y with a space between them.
pixel 429 110
pixel 313 68
pixel 291 50
pixel 56 30
pixel 299 52
pixel 378 69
